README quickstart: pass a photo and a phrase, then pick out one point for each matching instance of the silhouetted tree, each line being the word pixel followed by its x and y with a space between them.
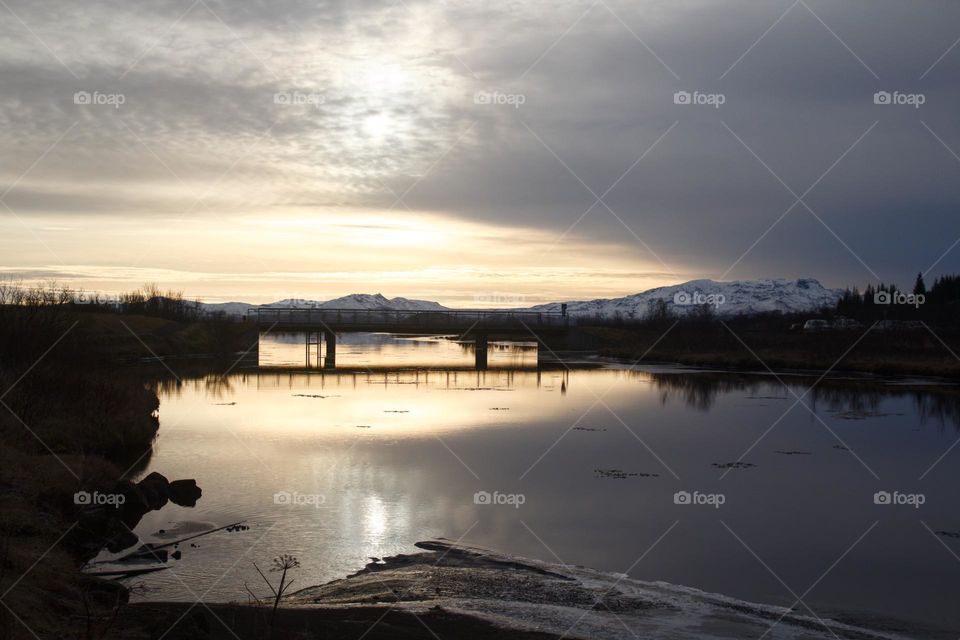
pixel 659 311
pixel 919 287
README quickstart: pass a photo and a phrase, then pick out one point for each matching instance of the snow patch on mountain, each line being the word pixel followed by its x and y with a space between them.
pixel 725 298
pixel 231 309
pixel 361 301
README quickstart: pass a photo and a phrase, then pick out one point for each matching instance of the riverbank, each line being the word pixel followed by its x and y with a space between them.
pixel 75 419
pixel 126 337
pixel 450 590
pixel 741 346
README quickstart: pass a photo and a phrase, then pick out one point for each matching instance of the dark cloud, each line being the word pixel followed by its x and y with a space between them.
pixel 398 116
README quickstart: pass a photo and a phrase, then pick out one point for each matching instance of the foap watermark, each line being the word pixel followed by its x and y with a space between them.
pixel 297 499
pixel 699 98
pixel 899 297
pixel 498 98
pixel 97 499
pixel 899 499
pixel 502 298
pixel 510 499
pixel 898 98
pixel 686 298
pixel 714 500
pixel 299 99
pixel 94 297
pixel 115 100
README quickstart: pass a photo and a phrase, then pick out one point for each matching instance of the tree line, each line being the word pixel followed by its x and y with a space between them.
pixel 940 302
pixel 52 297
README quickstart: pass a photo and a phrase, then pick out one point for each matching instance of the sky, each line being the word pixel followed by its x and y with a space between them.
pixel 476 153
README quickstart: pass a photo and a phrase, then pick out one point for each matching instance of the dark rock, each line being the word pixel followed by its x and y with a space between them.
pixel 156 490
pixel 123 540
pixel 184 492
pixel 134 499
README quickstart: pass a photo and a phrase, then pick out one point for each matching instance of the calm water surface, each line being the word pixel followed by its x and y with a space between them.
pixel 377 460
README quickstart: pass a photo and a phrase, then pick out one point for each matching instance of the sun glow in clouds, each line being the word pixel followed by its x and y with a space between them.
pixel 322 255
pixel 295 199
pixel 377 126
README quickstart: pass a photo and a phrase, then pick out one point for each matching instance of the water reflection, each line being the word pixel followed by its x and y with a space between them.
pixel 390 351
pixel 398 456
pixel 849 397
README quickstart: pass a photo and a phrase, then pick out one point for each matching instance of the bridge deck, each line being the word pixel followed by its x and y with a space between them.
pixel 446 321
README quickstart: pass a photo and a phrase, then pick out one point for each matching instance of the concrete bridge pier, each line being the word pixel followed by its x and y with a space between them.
pixel 330 359
pixel 481 345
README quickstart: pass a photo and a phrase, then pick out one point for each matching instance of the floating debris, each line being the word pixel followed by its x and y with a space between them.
pixel 499 408
pixel 224 404
pixel 363 426
pixel 396 411
pixel 863 414
pixel 733 465
pixel 620 474
pixel 151 547
pixel 794 453
pixel 311 395
pixel 589 428
pixel 840 447
pixel 948 534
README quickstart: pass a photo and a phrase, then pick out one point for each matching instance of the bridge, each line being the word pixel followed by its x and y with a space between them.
pixel 480 325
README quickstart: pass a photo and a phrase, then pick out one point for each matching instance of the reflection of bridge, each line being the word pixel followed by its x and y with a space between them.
pixel 481 326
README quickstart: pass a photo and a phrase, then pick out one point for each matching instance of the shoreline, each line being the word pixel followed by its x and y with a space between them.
pixel 733 347
pixel 833 375
pixel 478 593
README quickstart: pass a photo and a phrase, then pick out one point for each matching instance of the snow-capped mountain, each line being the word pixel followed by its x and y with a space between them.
pixel 227 308
pixel 361 301
pixel 726 299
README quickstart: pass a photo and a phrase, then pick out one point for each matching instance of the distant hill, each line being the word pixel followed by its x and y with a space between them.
pixel 726 299
pixel 361 301
pixel 352 301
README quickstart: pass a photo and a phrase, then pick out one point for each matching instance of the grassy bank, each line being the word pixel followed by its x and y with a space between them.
pixel 750 346
pixel 75 415
pixel 133 337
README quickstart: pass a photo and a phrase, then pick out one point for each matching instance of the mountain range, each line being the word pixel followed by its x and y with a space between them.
pixel 726 299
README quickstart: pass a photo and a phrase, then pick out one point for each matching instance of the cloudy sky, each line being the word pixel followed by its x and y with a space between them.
pixel 476 151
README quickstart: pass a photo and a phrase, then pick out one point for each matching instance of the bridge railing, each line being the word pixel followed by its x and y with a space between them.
pixel 408 318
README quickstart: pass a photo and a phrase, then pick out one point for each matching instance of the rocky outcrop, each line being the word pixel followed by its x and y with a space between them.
pixel 185 492
pixel 107 519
